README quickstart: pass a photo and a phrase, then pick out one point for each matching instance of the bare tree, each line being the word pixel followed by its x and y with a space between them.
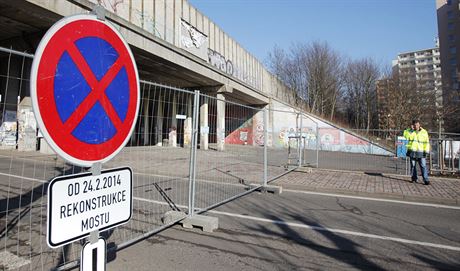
pixel 406 99
pixel 324 66
pixel 314 71
pixel 360 92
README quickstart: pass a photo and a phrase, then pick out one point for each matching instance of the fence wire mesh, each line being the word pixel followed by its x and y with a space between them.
pixel 189 150
pixel 283 142
pixel 158 153
pixel 229 156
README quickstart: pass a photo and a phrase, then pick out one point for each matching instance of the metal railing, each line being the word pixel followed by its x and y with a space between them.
pixel 189 152
pixel 444 156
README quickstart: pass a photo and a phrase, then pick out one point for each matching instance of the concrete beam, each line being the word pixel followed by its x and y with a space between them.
pixel 148 42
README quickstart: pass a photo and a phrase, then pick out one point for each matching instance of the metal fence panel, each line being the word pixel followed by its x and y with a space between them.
pixel 189 151
pixel 283 142
pixel 230 150
pixel 158 153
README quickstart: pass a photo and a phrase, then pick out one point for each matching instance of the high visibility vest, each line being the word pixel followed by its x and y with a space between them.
pixel 421 142
pixel 409 135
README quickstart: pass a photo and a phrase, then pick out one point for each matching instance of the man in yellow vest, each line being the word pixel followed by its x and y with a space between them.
pixel 409 134
pixel 418 148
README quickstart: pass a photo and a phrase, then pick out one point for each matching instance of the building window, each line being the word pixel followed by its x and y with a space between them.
pixel 453 74
pixel 450 14
pixel 449 2
pixel 451 38
pixel 453 62
pixel 453 50
pixel 450 26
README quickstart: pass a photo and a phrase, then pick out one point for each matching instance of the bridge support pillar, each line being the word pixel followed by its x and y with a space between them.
pixel 188 122
pixel 159 124
pixel 220 121
pixel 172 137
pixel 204 125
pixel 146 121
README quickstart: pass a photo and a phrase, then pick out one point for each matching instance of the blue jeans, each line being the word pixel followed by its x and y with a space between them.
pixel 413 168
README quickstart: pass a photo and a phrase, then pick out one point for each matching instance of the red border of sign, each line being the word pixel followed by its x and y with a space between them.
pixel 55 42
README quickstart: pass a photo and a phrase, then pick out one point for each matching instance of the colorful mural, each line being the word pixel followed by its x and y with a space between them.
pixel 285 123
pixel 331 138
pixel 243 135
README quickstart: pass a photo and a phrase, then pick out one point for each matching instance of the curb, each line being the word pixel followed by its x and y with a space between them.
pixel 309 169
pixel 452 202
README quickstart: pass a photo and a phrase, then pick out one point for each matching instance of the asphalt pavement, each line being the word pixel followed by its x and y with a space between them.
pixel 301 231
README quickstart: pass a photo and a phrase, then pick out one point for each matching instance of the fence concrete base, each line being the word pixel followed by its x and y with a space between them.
pixel 171 216
pixel 268 188
pixel 207 223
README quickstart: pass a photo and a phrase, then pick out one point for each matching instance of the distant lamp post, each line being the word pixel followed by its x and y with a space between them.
pixel 388 126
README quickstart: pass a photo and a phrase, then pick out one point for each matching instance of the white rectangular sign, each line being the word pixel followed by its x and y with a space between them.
pixel 181 117
pixel 81 203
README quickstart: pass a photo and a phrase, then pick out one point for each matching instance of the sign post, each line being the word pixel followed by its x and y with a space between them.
pixel 85 95
pixel 93 256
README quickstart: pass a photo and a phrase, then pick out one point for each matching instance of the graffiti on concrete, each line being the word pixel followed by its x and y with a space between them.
pixel 219 61
pixel 242 135
pixel 147 22
pixel 308 134
pixel 191 37
pixel 259 137
pixel 110 5
pixel 192 40
pixel 122 8
pixel 226 65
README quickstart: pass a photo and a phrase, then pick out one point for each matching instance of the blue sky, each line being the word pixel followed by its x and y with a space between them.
pixel 357 28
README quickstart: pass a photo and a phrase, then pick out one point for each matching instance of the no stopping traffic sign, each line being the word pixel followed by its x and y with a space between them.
pixel 85 89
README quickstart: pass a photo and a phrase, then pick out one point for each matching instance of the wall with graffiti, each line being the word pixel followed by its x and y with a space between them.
pixel 331 138
pixel 243 127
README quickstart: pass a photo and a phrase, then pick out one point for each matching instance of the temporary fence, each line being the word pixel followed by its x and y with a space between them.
pixel 190 151
pixel 442 159
pixel 444 156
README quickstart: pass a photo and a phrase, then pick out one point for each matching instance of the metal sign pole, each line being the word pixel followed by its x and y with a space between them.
pixel 96 169
pixel 192 164
pixel 300 141
pixel 317 145
pixel 197 97
pixel 265 146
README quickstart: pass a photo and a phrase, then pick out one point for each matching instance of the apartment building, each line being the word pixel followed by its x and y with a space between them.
pixel 422 69
pixel 448 13
pixel 415 72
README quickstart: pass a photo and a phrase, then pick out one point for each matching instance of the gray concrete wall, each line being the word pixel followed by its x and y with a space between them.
pixel 179 25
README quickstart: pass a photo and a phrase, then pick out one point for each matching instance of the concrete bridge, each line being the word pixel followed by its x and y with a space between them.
pixel 174 44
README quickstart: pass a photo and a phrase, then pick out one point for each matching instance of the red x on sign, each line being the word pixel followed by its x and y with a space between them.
pixel 85 89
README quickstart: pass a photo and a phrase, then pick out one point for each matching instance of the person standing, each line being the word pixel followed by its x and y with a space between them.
pixel 409 135
pixel 418 148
